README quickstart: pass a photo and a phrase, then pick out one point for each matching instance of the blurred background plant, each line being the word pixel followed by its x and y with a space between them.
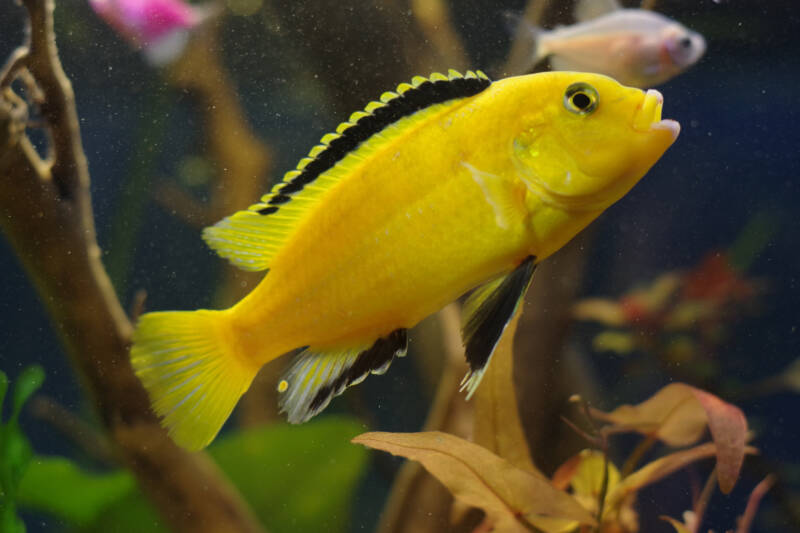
pixel 684 319
pixel 235 92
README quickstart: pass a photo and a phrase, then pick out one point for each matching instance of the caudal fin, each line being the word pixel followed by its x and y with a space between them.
pixel 527 38
pixel 191 373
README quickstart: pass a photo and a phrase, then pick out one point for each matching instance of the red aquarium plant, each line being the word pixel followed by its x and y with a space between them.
pixel 682 317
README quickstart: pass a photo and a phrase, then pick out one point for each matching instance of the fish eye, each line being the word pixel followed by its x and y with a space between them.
pixel 686 42
pixel 581 98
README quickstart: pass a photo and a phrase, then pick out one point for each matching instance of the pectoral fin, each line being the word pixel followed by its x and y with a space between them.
pixel 485 315
pixel 498 193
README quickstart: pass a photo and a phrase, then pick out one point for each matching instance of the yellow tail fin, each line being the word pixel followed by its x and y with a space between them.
pixel 190 371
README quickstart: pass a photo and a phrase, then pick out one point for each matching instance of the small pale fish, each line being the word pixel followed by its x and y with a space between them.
pixel 160 28
pixel 447 184
pixel 636 47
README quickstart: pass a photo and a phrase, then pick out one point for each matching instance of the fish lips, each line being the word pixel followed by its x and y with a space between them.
pixel 648 116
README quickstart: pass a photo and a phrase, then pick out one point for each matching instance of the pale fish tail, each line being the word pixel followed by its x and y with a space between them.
pixel 529 48
pixel 191 371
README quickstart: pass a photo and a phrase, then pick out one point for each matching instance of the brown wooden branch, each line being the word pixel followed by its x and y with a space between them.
pixel 46 214
pixel 75 429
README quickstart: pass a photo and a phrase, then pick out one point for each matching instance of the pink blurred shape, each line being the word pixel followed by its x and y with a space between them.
pixel 158 27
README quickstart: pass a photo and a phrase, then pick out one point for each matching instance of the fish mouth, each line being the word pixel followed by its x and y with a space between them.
pixel 648 116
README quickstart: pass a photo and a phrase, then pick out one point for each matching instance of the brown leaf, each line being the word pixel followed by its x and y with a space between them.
pixel 659 469
pixel 497 424
pixel 512 498
pixel 729 431
pixel 678 415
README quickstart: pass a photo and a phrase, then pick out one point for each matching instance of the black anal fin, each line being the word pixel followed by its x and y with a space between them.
pixel 316 377
pixel 486 314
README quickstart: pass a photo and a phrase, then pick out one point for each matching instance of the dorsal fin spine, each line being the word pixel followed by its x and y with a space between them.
pixel 328 137
pixel 374 106
pixel 304 163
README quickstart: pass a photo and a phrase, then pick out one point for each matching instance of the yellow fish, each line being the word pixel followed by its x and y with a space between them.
pixel 446 184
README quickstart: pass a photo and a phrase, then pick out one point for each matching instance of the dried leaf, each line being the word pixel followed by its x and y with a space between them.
pixel 512 498
pixel 659 469
pixel 678 415
pixel 729 431
pixel 497 424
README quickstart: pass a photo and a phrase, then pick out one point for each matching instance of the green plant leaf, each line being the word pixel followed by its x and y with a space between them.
pixel 3 389
pixel 296 478
pixel 27 383
pixel 59 487
pixel 9 521
pixel 15 455
pixel 131 514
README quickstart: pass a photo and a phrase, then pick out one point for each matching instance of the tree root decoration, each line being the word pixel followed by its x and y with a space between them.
pixel 46 214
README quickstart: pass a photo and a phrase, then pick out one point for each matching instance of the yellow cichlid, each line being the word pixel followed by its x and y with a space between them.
pixel 449 183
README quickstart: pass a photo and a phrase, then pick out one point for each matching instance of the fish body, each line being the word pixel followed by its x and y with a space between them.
pixel 636 47
pixel 445 185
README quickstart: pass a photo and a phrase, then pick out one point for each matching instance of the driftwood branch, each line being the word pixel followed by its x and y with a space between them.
pixel 46 214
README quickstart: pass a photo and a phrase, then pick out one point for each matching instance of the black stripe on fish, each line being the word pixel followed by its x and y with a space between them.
pixel 490 312
pixel 408 102
pixel 374 360
pixel 268 210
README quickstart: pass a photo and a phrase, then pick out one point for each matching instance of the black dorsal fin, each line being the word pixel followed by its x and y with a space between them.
pixel 393 106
